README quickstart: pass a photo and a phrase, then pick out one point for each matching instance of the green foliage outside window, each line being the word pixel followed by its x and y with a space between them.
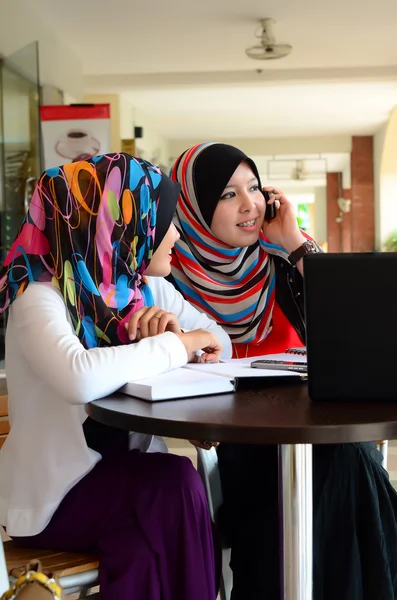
pixel 303 217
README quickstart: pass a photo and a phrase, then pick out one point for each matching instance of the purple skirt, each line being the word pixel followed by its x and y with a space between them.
pixel 146 517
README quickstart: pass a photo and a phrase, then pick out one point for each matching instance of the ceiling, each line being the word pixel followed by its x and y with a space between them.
pixel 293 110
pixel 185 35
pixel 184 63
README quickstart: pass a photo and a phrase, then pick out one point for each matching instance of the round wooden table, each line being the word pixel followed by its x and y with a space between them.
pixel 264 414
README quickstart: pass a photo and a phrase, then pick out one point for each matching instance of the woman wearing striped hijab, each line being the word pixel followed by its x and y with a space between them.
pixel 244 270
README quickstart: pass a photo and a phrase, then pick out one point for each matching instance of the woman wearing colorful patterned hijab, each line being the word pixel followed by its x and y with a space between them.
pixel 244 270
pixel 90 232
pixel 75 283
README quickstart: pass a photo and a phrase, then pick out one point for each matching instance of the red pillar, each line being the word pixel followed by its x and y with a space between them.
pixel 362 190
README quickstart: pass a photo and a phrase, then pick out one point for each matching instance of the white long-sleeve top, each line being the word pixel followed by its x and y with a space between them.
pixel 50 377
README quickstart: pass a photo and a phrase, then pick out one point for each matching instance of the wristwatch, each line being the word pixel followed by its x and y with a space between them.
pixel 307 247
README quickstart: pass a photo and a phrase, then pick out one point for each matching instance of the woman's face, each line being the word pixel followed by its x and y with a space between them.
pixel 160 265
pixel 239 215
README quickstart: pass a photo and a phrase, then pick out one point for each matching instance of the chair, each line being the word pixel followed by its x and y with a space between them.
pixel 75 572
pixel 4 580
pixel 207 466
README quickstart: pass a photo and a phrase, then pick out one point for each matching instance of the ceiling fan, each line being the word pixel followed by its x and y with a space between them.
pixel 267 49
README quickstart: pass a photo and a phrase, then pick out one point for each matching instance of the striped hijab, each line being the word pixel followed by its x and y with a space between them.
pixel 234 286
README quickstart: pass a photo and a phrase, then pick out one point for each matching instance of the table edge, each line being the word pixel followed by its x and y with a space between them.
pixel 317 434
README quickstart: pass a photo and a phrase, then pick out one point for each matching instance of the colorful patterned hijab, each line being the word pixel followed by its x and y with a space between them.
pixel 91 230
pixel 234 286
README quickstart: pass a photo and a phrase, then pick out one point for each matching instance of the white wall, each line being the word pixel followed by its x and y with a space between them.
pixel 388 207
pixel 320 215
pixel 379 140
pixel 59 65
pixel 385 180
pixel 152 146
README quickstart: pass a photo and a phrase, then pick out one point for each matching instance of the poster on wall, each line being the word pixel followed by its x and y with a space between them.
pixel 75 132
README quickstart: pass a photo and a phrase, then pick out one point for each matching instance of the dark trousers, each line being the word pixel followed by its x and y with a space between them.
pixel 355 522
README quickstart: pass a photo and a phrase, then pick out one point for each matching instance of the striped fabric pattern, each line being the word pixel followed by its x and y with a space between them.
pixel 234 286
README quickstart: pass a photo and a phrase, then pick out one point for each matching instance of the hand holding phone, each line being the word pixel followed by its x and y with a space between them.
pixel 280 225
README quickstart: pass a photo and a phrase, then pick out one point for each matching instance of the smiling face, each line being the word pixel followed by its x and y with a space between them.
pixel 160 265
pixel 239 215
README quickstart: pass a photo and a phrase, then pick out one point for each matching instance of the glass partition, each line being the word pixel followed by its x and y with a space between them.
pixel 20 147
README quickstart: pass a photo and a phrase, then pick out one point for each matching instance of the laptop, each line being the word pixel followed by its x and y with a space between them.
pixel 351 326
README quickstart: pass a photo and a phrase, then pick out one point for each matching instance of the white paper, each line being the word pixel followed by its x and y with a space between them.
pixel 283 356
pixel 241 367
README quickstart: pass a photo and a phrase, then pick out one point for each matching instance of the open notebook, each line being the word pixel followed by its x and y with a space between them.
pixel 202 379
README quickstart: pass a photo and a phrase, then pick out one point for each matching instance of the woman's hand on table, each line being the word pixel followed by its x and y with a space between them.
pixel 201 339
pixel 150 321
pixel 205 445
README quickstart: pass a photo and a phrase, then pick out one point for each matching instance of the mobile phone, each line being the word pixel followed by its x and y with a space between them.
pixel 271 210
pixel 280 365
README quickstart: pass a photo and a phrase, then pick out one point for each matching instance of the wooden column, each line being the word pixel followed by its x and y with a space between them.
pixel 362 189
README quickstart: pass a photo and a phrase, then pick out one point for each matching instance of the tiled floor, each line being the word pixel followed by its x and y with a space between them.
pixel 183 448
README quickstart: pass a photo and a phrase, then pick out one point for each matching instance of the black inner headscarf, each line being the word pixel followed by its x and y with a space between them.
pixel 213 170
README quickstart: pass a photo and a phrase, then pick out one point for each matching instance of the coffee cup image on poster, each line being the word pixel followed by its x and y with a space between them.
pixel 69 139
pixel 77 144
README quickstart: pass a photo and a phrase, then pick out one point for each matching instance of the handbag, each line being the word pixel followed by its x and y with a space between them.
pixel 33 584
